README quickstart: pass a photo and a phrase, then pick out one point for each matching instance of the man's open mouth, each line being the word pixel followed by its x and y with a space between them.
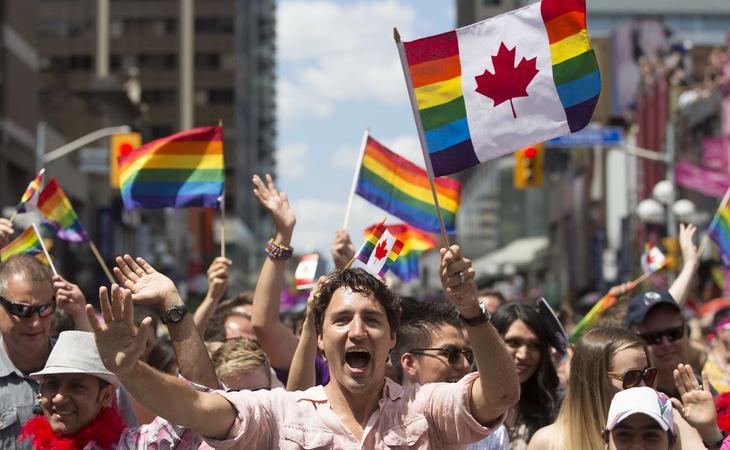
pixel 357 358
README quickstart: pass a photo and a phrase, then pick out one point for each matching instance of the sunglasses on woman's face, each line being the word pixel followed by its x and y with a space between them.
pixel 655 337
pixel 632 377
pixel 25 311
pixel 450 352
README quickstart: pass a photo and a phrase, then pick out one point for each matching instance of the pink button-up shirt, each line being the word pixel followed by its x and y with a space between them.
pixel 435 415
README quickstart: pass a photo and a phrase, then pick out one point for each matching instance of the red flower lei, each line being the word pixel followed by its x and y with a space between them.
pixel 105 431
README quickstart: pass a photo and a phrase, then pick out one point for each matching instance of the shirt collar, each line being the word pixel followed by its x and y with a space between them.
pixel 391 390
pixel 6 366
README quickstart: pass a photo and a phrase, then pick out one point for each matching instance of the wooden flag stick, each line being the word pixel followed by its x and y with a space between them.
pixel 13 216
pixel 102 263
pixel 645 276
pixel 706 237
pixel 223 224
pixel 45 251
pixel 355 178
pixel 421 134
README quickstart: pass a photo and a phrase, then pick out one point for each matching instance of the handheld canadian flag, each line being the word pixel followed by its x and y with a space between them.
pixel 652 259
pixel 379 251
pixel 306 270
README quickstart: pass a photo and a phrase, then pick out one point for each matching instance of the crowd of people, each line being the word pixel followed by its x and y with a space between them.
pixel 359 368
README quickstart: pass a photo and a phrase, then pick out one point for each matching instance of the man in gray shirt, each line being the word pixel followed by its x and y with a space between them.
pixel 27 300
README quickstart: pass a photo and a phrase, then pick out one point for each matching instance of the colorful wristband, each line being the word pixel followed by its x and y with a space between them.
pixel 278 251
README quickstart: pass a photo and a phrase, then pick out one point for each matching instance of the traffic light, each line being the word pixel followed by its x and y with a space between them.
pixel 528 166
pixel 120 144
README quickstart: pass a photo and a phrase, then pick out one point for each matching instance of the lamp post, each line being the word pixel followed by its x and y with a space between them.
pixel 42 158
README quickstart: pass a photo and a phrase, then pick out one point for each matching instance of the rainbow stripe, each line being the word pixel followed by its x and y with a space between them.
pixel 590 320
pixel 370 241
pixel 415 242
pixel 30 191
pixel 398 186
pixel 59 214
pixel 719 231
pixel 178 171
pixel 392 257
pixel 27 243
pixel 575 68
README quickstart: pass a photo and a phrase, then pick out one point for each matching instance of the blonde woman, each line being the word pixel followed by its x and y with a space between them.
pixel 606 361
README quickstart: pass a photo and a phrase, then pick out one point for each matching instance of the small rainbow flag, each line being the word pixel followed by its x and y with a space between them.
pixel 590 320
pixel 178 171
pixel 652 259
pixel 379 251
pixel 29 197
pixel 401 188
pixel 490 88
pixel 719 231
pixel 415 242
pixel 26 243
pixel 59 213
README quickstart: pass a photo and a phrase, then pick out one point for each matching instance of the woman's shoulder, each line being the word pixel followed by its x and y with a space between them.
pixel 541 440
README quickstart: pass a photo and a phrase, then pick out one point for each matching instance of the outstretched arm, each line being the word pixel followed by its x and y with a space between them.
pixel 277 340
pixel 302 374
pixel 498 387
pixel 148 286
pixel 217 283
pixel 691 261
pixel 71 300
pixel 121 345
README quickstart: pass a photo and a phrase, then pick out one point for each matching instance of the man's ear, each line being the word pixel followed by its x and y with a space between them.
pixel 106 396
pixel 408 363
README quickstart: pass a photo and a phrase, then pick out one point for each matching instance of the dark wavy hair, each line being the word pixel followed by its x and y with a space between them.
pixel 360 281
pixel 539 398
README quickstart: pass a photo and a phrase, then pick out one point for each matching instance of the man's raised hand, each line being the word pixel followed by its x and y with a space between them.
pixel 120 343
pixel 276 202
pixel 218 277
pixel 147 285
pixel 6 230
pixel 458 280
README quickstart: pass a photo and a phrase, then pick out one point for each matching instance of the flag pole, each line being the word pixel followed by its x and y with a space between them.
pixel 355 178
pixel 102 263
pixel 421 135
pixel 13 216
pixel 43 246
pixel 706 237
pixel 222 204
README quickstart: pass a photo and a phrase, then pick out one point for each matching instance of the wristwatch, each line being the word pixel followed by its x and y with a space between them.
pixel 174 314
pixel 478 320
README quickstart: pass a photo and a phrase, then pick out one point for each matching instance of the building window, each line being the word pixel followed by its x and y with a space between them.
pixel 214 25
pixel 55 27
pixel 157 61
pixel 208 61
pixel 491 3
pixel 159 96
pixel 220 96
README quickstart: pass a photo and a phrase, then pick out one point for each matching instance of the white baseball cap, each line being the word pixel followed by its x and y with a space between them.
pixel 76 352
pixel 641 400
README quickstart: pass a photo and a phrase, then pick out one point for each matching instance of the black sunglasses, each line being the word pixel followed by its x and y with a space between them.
pixel 632 377
pixel 655 337
pixel 25 311
pixel 450 352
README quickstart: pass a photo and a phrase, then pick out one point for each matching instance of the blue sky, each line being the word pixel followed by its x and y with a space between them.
pixel 339 73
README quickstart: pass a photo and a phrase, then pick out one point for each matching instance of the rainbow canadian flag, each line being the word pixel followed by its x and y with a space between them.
pixel 379 251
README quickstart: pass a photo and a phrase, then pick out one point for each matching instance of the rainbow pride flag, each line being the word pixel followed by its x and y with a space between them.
pixel 719 231
pixel 590 320
pixel 178 171
pixel 27 243
pixel 415 242
pixel 400 187
pixel 508 82
pixel 29 198
pixel 379 251
pixel 59 214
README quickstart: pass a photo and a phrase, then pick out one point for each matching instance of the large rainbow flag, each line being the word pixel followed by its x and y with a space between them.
pixel 415 242
pixel 59 214
pixel 27 243
pixel 29 198
pixel 719 231
pixel 508 82
pixel 178 171
pixel 402 188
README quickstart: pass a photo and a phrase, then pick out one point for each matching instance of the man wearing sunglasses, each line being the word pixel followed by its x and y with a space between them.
pixel 657 319
pixel 26 305
pixel 431 347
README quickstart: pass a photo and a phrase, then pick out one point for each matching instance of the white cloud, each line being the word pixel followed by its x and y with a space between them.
pixel 407 145
pixel 333 52
pixel 291 161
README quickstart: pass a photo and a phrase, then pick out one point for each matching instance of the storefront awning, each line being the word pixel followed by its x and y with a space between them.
pixel 518 254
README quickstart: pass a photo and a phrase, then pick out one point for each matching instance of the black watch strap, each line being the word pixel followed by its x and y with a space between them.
pixel 478 320
pixel 174 314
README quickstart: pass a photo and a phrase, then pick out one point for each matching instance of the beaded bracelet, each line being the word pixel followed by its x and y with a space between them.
pixel 278 251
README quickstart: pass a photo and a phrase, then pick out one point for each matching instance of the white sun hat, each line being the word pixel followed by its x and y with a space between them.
pixel 76 352
pixel 641 400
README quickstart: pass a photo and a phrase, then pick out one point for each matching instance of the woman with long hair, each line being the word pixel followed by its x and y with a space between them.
pixel 606 361
pixel 527 341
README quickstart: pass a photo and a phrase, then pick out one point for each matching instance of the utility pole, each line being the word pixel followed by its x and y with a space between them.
pixel 187 49
pixel 102 38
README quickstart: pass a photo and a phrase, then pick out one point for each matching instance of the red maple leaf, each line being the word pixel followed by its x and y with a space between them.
pixel 381 251
pixel 507 81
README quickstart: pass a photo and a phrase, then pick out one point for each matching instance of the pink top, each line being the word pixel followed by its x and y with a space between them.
pixel 435 415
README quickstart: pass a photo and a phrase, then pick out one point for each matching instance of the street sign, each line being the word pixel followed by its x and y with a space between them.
pixel 588 137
